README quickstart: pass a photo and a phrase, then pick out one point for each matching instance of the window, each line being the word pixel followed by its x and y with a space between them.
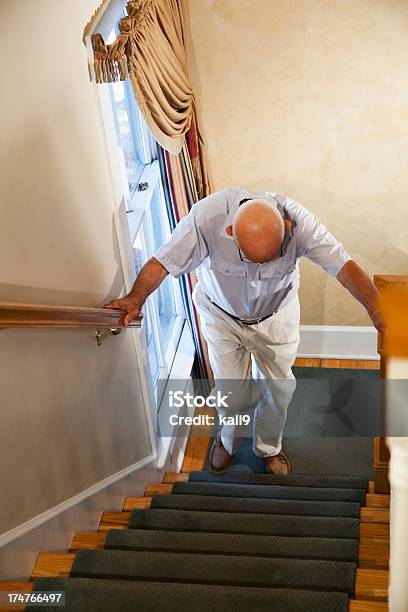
pixel 128 133
pixel 148 223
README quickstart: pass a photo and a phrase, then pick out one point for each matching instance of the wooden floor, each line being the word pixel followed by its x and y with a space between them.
pixel 197 446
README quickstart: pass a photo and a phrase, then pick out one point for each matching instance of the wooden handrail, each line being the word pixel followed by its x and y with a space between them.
pixel 39 315
pixel 394 305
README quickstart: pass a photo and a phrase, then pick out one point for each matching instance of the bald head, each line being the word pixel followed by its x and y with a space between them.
pixel 258 230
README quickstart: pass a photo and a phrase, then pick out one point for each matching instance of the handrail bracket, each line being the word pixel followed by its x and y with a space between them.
pixel 102 335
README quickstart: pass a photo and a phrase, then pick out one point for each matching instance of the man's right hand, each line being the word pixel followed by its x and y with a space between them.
pixel 129 304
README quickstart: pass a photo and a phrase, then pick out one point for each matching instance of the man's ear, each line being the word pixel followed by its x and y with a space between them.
pixel 289 225
pixel 229 230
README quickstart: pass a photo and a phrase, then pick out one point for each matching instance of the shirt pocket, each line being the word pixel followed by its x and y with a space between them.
pixel 226 268
pixel 278 269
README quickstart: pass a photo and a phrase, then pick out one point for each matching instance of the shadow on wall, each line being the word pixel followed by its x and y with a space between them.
pixel 55 215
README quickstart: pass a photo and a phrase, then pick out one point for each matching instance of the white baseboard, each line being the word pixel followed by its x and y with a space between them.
pixel 338 342
pixel 52 530
pixel 38 520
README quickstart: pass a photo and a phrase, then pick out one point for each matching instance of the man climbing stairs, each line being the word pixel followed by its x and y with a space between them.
pixel 233 542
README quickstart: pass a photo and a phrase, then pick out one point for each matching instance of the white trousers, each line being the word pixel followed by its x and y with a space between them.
pixel 238 353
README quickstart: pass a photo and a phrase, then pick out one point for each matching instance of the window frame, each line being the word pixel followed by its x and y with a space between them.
pixel 109 13
pixel 140 202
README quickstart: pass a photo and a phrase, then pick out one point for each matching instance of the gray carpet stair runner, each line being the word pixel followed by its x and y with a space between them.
pixel 236 542
pixel 262 524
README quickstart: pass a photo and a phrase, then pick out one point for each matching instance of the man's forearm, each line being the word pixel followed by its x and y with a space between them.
pixel 149 278
pixel 360 285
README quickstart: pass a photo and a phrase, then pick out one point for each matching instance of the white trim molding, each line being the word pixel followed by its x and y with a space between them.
pixel 36 521
pixel 338 342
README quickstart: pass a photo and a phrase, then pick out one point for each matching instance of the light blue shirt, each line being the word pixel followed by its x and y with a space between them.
pixel 247 290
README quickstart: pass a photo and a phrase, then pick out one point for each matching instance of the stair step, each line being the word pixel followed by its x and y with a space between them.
pixel 158 489
pixel 367 606
pixel 374 556
pixel 215 569
pixel 379 532
pixel 15 587
pixel 369 583
pixel 114 520
pixel 267 524
pixel 293 480
pixel 377 500
pixel 375 515
pixel 262 506
pixel 137 503
pixel 172 477
pixel 99 595
pixel 370 555
pixel 88 539
pixel 234 544
pixel 268 491
pixel 53 564
pixel 372 584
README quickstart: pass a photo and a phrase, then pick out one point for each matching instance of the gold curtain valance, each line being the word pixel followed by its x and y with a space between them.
pixel 150 51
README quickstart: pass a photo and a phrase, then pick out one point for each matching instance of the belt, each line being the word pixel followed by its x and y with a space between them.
pixel 244 321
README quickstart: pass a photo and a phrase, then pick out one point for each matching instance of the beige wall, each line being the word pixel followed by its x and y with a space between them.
pixel 309 99
pixel 71 413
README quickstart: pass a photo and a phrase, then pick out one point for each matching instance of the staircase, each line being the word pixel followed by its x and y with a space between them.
pixel 233 542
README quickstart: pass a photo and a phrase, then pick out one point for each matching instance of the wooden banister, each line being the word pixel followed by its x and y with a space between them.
pixel 394 304
pixel 39 315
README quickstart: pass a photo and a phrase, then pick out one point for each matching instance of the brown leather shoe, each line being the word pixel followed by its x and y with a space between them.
pixel 278 464
pixel 219 459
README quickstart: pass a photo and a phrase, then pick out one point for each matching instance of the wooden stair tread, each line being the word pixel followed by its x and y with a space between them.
pixel 356 605
pixel 87 539
pixel 367 515
pixel 15 587
pixel 371 555
pixel 158 489
pixel 137 503
pixel 372 584
pixel 374 531
pixel 374 556
pixel 114 520
pixel 374 515
pixel 377 500
pixel 53 564
pixel 172 477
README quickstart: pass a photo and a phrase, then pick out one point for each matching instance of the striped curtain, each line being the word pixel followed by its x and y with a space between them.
pixel 181 193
